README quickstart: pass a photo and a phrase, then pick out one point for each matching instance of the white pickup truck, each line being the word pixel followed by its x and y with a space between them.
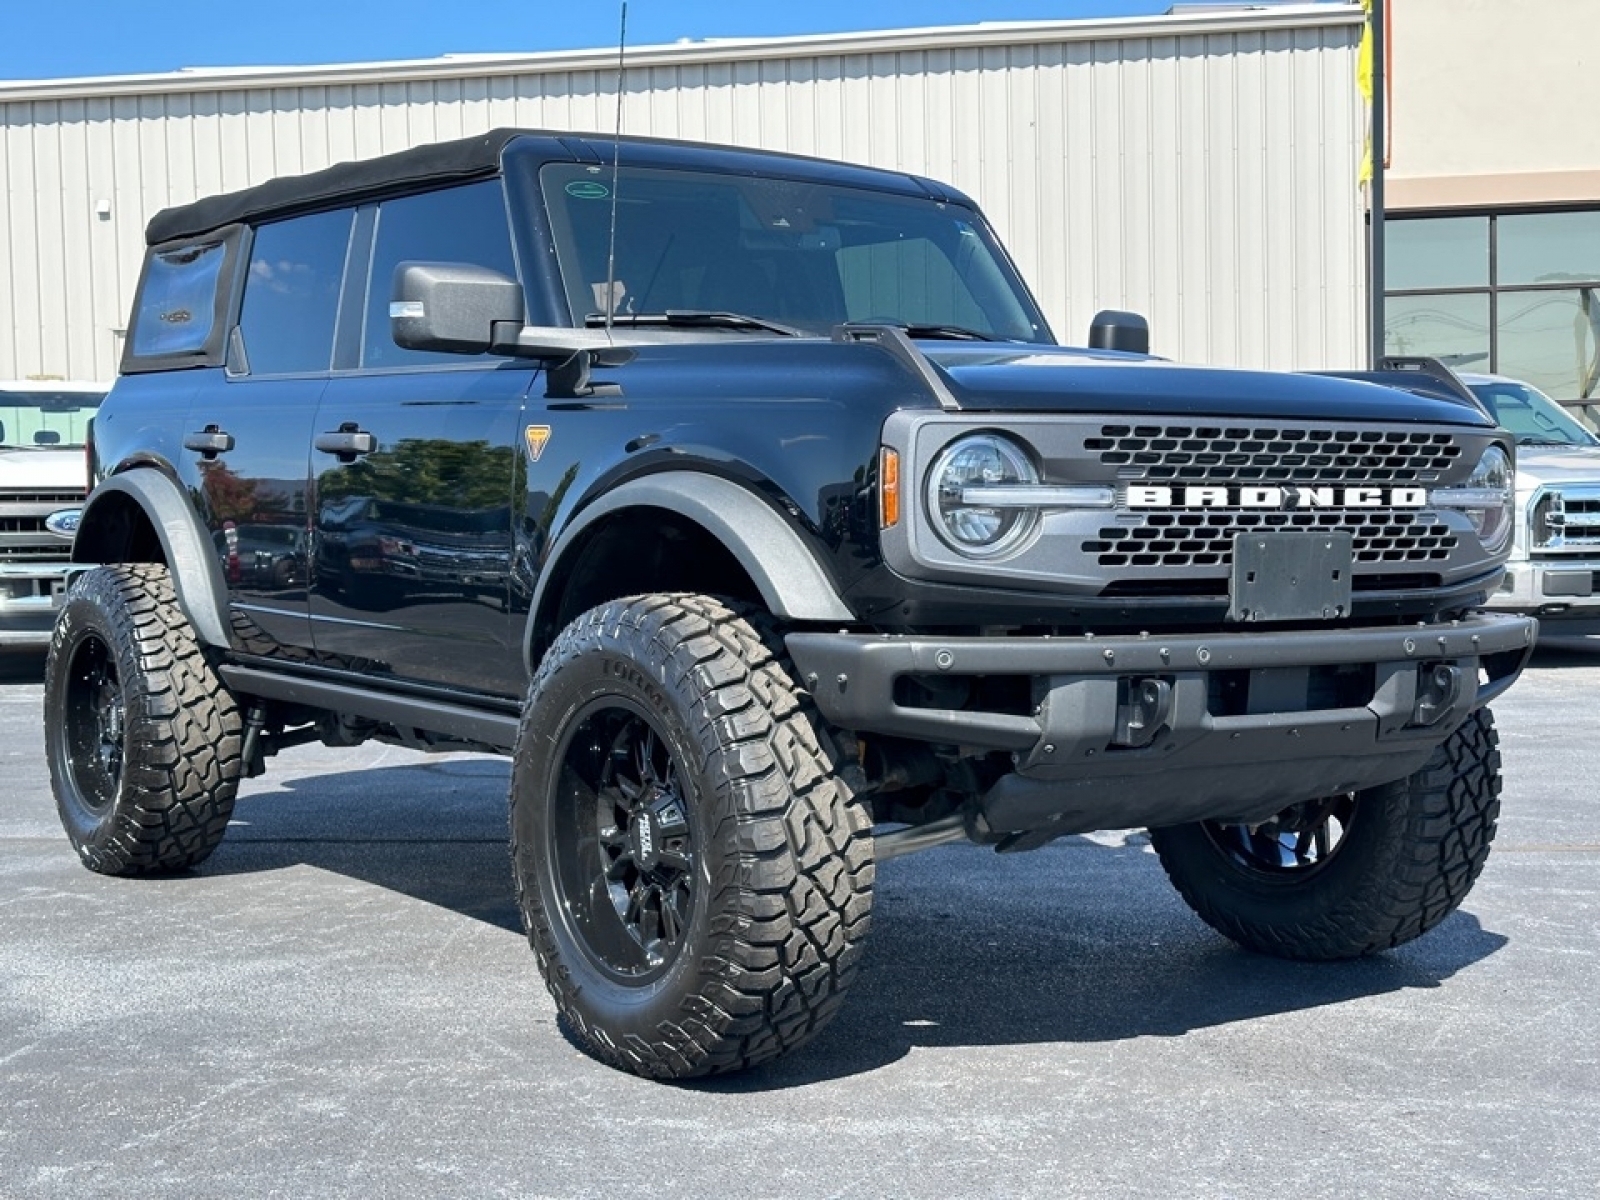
pixel 43 427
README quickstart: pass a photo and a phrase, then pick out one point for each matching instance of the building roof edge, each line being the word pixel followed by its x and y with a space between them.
pixel 887 41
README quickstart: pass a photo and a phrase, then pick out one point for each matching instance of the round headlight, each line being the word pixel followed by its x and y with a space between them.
pixel 1487 499
pixel 967 495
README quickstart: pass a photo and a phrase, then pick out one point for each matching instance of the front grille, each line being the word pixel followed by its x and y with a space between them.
pixel 1578 531
pixel 23 537
pixel 1274 454
pixel 1205 539
pixel 55 553
pixel 54 500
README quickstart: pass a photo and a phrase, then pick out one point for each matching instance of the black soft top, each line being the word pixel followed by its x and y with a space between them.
pixel 480 156
pixel 440 162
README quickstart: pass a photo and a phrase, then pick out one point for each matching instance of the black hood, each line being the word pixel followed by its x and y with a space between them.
pixel 1019 378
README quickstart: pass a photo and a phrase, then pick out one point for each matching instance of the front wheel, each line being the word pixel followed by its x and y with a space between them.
pixel 1348 874
pixel 142 739
pixel 694 875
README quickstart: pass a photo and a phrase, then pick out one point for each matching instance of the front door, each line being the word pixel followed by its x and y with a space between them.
pixel 413 526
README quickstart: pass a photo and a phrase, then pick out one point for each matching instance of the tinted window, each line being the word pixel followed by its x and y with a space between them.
pixel 177 300
pixel 1549 248
pixel 799 253
pixel 291 297
pixel 910 278
pixel 1437 252
pixel 461 225
pixel 1454 328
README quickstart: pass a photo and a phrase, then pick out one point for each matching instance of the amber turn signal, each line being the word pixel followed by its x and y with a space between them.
pixel 888 488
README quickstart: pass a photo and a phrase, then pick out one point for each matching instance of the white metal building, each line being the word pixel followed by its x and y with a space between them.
pixel 1200 167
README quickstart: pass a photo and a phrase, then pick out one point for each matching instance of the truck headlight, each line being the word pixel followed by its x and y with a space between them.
pixel 971 495
pixel 1487 499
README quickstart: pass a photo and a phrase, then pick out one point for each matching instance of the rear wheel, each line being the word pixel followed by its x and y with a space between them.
pixel 142 739
pixel 695 878
pixel 1348 874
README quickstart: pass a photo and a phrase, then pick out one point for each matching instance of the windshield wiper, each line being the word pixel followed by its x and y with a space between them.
pixel 953 333
pixel 1539 441
pixel 694 318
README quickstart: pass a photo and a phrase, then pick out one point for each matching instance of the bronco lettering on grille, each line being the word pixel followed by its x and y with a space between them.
pixel 1144 495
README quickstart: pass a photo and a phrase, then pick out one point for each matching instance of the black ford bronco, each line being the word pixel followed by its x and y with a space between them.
pixel 749 504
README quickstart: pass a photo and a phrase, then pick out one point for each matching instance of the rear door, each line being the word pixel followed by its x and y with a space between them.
pixel 249 430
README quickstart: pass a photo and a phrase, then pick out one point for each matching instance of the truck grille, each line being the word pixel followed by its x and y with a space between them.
pixel 1205 539
pixel 1274 454
pixel 1565 520
pixel 23 537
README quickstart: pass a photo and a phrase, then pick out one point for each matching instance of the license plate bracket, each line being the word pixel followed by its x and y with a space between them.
pixel 1290 576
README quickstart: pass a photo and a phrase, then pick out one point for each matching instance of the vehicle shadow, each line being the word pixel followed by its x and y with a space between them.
pixel 1565 650
pixel 22 666
pixel 1083 941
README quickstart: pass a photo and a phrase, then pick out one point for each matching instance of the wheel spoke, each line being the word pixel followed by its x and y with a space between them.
pixel 675 859
pixel 1299 839
pixel 1324 840
pixel 625 843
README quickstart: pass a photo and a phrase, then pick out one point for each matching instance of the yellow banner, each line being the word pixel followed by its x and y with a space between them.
pixel 1364 82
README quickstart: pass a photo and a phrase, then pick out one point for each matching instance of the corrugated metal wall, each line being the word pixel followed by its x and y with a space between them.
pixel 1206 179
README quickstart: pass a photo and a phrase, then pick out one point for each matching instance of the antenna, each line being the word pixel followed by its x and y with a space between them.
pixel 616 166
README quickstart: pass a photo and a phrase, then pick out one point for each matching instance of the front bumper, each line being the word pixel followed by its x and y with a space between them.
pixel 29 598
pixel 1132 731
pixel 1551 588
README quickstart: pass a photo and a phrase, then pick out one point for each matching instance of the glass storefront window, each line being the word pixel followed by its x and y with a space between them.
pixel 1537 248
pixel 1514 294
pixel 1439 252
pixel 1451 328
pixel 1551 339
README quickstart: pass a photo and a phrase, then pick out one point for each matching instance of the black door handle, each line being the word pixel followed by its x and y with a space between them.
pixel 210 442
pixel 349 442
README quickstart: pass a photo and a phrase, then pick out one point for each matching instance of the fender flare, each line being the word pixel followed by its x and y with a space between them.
pixel 793 585
pixel 196 574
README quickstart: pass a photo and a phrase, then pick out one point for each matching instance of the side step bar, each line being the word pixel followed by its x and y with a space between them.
pixel 498 730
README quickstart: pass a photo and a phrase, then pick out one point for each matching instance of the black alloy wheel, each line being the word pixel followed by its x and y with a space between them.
pixel 95 720
pixel 1300 839
pixel 626 859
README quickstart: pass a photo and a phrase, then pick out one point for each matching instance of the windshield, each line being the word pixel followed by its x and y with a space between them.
pixel 803 255
pixel 47 420
pixel 1533 417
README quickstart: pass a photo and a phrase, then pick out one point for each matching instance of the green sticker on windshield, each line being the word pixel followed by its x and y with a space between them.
pixel 587 189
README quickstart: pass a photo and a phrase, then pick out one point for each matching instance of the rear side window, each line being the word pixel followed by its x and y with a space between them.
pixel 180 312
pixel 291 293
pixel 176 310
pixel 458 225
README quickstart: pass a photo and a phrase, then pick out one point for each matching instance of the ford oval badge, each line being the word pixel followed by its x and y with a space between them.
pixel 64 523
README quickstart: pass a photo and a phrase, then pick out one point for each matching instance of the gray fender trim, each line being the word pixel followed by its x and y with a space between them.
pixel 791 581
pixel 196 574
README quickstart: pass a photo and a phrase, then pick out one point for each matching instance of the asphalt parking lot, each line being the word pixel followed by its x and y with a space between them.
pixel 341 1003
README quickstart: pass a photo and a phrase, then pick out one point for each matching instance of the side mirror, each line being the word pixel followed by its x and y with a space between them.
pixel 453 307
pixel 1113 330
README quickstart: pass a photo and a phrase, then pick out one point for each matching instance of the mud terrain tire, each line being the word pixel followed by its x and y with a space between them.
pixel 1407 855
pixel 142 739
pixel 694 876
